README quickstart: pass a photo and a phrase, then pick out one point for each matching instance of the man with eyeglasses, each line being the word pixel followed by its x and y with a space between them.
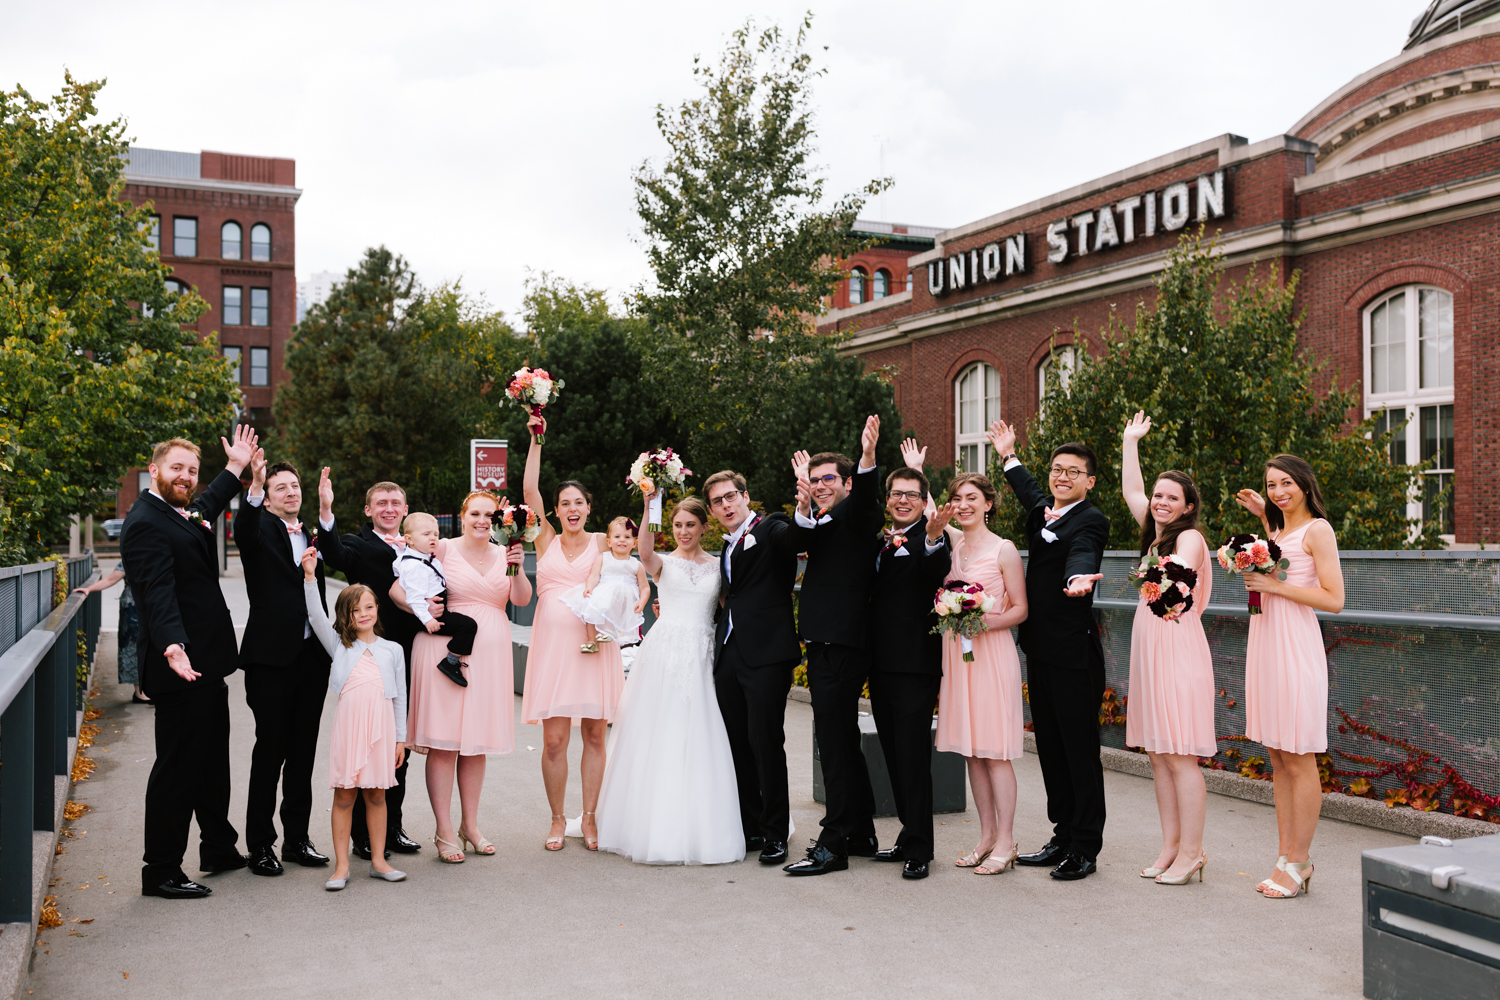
pixel 838 510
pixel 756 638
pixel 1066 535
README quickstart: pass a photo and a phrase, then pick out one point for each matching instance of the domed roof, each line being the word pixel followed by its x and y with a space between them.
pixel 1443 16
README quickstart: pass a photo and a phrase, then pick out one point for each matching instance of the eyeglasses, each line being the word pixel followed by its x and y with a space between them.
pixel 906 495
pixel 725 499
pixel 1063 470
pixel 828 480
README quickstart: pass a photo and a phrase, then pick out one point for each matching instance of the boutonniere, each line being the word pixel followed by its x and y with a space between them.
pixel 897 541
pixel 314 532
pixel 196 517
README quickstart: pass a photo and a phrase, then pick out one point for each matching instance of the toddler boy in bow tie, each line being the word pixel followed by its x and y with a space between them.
pixel 420 574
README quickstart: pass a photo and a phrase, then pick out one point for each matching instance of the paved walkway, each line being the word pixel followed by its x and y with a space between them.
pixel 530 924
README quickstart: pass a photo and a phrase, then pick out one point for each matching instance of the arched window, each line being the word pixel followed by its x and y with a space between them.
pixel 229 241
pixel 1408 355
pixel 1063 360
pixel 175 287
pixel 881 285
pixel 977 398
pixel 260 241
pixel 856 286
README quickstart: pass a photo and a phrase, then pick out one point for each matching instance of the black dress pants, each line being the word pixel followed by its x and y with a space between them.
pixel 359 830
pixel 902 705
pixel 288 706
pixel 753 703
pixel 189 778
pixel 835 678
pixel 1065 716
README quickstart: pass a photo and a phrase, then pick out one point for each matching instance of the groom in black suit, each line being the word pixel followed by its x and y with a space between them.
pixel 186 648
pixel 838 511
pixel 1066 535
pixel 756 640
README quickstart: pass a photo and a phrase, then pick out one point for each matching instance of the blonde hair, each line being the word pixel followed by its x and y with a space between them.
pixel 343 612
pixel 384 487
pixel 160 451
pixel 416 518
pixel 486 494
pixel 622 521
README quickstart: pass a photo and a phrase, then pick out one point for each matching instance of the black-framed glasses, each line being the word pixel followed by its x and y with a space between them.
pixel 911 495
pixel 828 480
pixel 725 499
pixel 1063 470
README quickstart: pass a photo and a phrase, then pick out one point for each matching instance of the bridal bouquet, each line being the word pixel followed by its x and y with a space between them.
pixel 1253 554
pixel 514 524
pixel 660 470
pixel 961 608
pixel 534 388
pixel 1167 585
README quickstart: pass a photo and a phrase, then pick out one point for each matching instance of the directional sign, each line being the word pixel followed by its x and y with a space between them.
pixel 486 464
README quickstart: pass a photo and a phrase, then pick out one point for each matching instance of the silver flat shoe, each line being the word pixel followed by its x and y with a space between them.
pixel 390 876
pixel 335 884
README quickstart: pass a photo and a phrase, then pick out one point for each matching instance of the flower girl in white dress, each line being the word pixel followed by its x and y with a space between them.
pixel 612 600
pixel 669 795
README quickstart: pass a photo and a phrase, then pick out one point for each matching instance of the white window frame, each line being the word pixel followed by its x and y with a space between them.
pixel 1064 354
pixel 973 441
pixel 858 280
pixel 1412 397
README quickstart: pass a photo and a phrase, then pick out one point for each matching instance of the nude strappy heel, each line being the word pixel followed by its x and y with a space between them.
pixel 558 842
pixel 450 857
pixel 480 846
pixel 1184 879
pixel 1304 882
pixel 592 845
pixel 995 865
pixel 971 860
pixel 1280 866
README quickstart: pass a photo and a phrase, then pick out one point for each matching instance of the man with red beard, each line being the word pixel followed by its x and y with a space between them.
pixel 186 649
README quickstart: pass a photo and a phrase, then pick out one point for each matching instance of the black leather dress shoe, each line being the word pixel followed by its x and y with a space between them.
pixel 819 861
pixel 890 854
pixel 226 865
pixel 177 888
pixel 401 843
pixel 361 848
pixel 263 862
pixel 304 854
pixel 863 847
pixel 1073 868
pixel 773 852
pixel 914 869
pixel 753 844
pixel 1051 853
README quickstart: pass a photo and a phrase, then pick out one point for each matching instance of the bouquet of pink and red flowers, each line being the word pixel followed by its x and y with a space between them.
pixel 514 524
pixel 961 608
pixel 1253 554
pixel 534 388
pixel 659 470
pixel 1166 582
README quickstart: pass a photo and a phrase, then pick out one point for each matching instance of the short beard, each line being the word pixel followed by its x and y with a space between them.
pixel 172 493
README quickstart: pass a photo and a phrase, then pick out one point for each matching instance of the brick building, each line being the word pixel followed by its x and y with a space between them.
pixel 1385 196
pixel 225 224
pixel 881 271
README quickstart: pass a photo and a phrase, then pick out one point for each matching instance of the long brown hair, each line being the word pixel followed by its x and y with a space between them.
pixel 343 613
pixel 1307 481
pixel 1167 544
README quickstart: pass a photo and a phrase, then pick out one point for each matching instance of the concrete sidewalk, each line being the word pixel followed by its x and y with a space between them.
pixel 527 923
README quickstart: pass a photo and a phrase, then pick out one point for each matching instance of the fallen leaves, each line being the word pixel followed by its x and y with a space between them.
pixel 86 734
pixel 74 810
pixel 50 916
pixel 83 766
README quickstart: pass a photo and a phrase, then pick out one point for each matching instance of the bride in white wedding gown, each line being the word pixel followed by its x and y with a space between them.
pixel 669 795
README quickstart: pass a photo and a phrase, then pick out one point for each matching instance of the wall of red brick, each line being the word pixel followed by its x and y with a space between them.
pixel 1418 175
pixel 1431 130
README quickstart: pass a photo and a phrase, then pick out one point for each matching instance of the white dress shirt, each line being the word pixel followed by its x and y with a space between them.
pixel 1011 463
pixel 421 577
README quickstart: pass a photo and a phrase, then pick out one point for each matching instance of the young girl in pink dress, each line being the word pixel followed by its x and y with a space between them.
pixel 1171 688
pixel 563 683
pixel 1286 671
pixel 979 702
pixel 369 724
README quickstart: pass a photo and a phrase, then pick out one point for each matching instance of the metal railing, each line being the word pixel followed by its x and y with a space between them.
pixel 39 701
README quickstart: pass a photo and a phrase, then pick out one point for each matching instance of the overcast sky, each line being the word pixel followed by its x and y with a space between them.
pixel 482 139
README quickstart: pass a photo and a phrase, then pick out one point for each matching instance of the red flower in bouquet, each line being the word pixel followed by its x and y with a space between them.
pixel 1253 554
pixel 533 388
pixel 514 524
pixel 1167 585
pixel 961 608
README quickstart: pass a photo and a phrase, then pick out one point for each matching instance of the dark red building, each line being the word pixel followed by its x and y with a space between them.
pixel 226 226
pixel 1385 197
pixel 880 273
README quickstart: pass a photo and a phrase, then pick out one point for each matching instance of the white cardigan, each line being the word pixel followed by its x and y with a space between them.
pixel 388 656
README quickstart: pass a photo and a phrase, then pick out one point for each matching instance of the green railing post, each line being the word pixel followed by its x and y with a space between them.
pixel 17 803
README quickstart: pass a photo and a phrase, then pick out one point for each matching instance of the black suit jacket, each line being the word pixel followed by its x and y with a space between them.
pixel 758 593
pixel 1059 629
pixel 836 584
pixel 901 616
pixel 173 568
pixel 366 558
pixel 278 610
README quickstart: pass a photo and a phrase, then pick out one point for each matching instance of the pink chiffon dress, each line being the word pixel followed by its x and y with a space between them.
pixel 979 702
pixel 1286 668
pixel 562 681
pixel 362 749
pixel 1171 706
pixel 478 719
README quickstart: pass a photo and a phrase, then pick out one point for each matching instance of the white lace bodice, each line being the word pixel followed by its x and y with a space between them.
pixel 689 592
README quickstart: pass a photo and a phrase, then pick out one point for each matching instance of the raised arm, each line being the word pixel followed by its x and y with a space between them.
pixel 865 490
pixel 1255 504
pixel 242 451
pixel 316 616
pixel 530 484
pixel 646 539
pixel 1132 484
pixel 1003 439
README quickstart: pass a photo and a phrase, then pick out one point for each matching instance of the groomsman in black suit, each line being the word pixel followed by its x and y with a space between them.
pixel 912 559
pixel 187 648
pixel 838 510
pixel 370 558
pixel 1066 535
pixel 757 651
pixel 286 667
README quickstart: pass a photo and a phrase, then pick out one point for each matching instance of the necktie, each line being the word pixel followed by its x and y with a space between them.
pixel 1050 514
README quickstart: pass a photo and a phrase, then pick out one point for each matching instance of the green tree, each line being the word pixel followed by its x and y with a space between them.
pixel 95 365
pixel 1226 386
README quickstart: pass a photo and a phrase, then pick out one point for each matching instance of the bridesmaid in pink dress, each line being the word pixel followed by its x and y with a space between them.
pixel 457 726
pixel 566 686
pixel 979 702
pixel 1286 671
pixel 1171 689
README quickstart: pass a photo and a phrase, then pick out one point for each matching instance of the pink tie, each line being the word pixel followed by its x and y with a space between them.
pixel 294 529
pixel 394 541
pixel 1050 514
pixel 186 515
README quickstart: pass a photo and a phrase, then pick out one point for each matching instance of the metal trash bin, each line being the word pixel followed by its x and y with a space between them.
pixel 1432 920
pixel 949 774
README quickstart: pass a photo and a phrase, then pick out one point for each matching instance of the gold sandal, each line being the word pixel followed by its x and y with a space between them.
pixel 589 647
pixel 480 846
pixel 558 842
pixel 995 865
pixel 455 857
pixel 592 845
pixel 971 860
